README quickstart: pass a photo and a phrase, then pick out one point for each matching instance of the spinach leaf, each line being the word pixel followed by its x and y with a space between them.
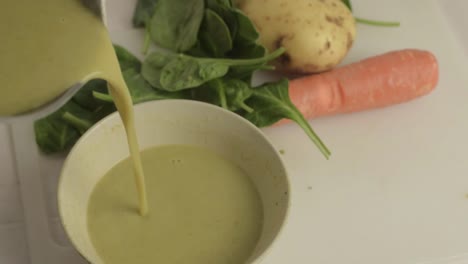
pixel 230 94
pixel 153 66
pixel 246 29
pixel 237 92
pixel 221 3
pixel 271 103
pixel 140 90
pixel 174 73
pixel 53 133
pixel 248 50
pixel 143 12
pixel 214 92
pixel 214 35
pixel 224 9
pixel 245 46
pixel 126 59
pixel 175 23
pixel 61 129
pixel 348 4
pixel 185 72
pixel 245 73
pixel 197 50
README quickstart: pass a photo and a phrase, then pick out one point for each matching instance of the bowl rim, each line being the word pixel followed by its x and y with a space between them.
pixel 240 119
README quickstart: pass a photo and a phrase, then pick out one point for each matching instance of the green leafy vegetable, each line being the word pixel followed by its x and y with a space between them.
pixel 186 72
pixel 230 94
pixel 222 3
pixel 144 10
pixel 214 35
pixel 174 73
pixel 60 130
pixel 126 59
pixel 271 103
pixel 245 42
pixel 53 134
pixel 225 10
pixel 175 24
pixel 215 93
pixel 245 73
pixel 247 31
pixel 140 90
pixel 153 65
pixel 237 92
pixel 248 50
pixel 245 46
pixel 216 55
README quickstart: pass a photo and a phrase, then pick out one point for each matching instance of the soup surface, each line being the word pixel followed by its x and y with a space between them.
pixel 203 210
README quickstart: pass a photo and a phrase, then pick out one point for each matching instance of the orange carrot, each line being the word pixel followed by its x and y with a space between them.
pixel 379 81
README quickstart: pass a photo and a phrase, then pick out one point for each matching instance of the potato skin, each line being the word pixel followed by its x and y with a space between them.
pixel 317 34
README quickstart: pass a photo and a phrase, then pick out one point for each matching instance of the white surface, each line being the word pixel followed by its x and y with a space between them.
pixel 395 189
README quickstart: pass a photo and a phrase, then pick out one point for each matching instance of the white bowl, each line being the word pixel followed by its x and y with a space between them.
pixel 173 122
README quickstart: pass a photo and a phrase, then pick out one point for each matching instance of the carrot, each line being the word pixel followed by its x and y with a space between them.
pixel 379 81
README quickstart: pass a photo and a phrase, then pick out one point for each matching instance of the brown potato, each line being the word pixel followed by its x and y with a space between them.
pixel 317 34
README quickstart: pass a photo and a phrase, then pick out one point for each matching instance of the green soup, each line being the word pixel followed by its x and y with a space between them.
pixel 49 45
pixel 203 210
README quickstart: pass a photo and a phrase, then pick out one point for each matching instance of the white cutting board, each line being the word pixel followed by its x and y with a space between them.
pixel 395 190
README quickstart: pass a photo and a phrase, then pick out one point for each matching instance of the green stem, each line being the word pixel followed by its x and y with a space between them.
pixel 267 67
pixel 247 108
pixel 146 43
pixel 302 122
pixel 295 115
pixel 240 62
pixel 103 97
pixel 377 23
pixel 77 122
pixel 222 96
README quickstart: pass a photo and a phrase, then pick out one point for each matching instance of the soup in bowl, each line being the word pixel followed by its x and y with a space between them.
pixel 217 189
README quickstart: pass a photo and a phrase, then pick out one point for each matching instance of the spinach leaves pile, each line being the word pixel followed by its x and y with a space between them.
pixel 211 53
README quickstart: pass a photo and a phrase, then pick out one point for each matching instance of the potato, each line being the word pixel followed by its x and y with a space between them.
pixel 317 34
